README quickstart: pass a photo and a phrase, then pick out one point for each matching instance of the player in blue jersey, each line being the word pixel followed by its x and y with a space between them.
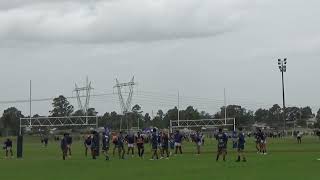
pixel 120 146
pixel 178 142
pixel 234 140
pixel 64 146
pixel 8 148
pixel 198 140
pixel 130 139
pixel 222 144
pixel 241 144
pixel 106 144
pixel 154 145
pixel 165 145
pixel 87 145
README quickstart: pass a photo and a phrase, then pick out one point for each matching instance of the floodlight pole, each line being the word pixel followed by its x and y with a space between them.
pixel 178 109
pixel 283 68
pixel 30 101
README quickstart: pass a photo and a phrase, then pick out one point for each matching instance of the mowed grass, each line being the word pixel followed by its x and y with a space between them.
pixel 286 160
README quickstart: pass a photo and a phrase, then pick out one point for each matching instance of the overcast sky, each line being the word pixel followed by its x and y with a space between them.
pixel 196 47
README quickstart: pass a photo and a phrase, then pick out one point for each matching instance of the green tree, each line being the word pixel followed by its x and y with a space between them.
pixel 11 118
pixel 61 107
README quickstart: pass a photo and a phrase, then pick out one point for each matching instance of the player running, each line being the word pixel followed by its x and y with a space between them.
pixel 105 145
pixel 241 144
pixel 8 148
pixel 87 145
pixel 178 142
pixel 222 144
pixel 140 144
pixel 154 145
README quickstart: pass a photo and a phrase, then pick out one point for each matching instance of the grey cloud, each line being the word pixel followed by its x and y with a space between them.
pixel 119 21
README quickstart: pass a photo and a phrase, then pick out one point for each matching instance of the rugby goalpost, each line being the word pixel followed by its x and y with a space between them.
pixel 76 121
pixel 202 123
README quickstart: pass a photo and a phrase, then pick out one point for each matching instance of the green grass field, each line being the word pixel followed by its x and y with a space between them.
pixel 286 160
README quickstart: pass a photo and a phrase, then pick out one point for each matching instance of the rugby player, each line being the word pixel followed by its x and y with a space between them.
pixel 165 145
pixel 222 144
pixel 154 144
pixel 130 140
pixel 178 142
pixel 241 144
pixel 121 141
pixel 64 146
pixel 87 145
pixel 8 148
pixel 105 145
pixel 140 144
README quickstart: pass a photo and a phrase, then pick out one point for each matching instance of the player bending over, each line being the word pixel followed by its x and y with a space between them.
pixel 140 144
pixel 222 144
pixel 241 143
pixel 154 145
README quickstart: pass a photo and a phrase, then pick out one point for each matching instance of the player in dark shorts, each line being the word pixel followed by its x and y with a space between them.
pixel 299 137
pixel 115 143
pixel 140 144
pixel 8 148
pixel 263 142
pixel 105 145
pixel 64 146
pixel 177 142
pixel 69 142
pixel 234 140
pixel 241 144
pixel 222 144
pixel 95 145
pixel 154 144
pixel 121 150
pixel 46 141
pixel 258 140
pixel 165 145
pixel 87 145
pixel 198 140
pixel 130 140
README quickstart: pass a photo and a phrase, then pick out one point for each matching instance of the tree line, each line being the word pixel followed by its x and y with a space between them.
pixel 272 117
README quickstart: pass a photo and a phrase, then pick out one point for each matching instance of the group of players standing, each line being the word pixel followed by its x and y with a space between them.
pixel 160 143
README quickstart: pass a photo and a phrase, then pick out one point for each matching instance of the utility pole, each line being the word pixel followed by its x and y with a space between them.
pixel 125 104
pixel 283 68
pixel 87 90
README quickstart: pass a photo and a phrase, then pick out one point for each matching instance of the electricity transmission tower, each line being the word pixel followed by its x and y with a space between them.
pixel 87 92
pixel 125 104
